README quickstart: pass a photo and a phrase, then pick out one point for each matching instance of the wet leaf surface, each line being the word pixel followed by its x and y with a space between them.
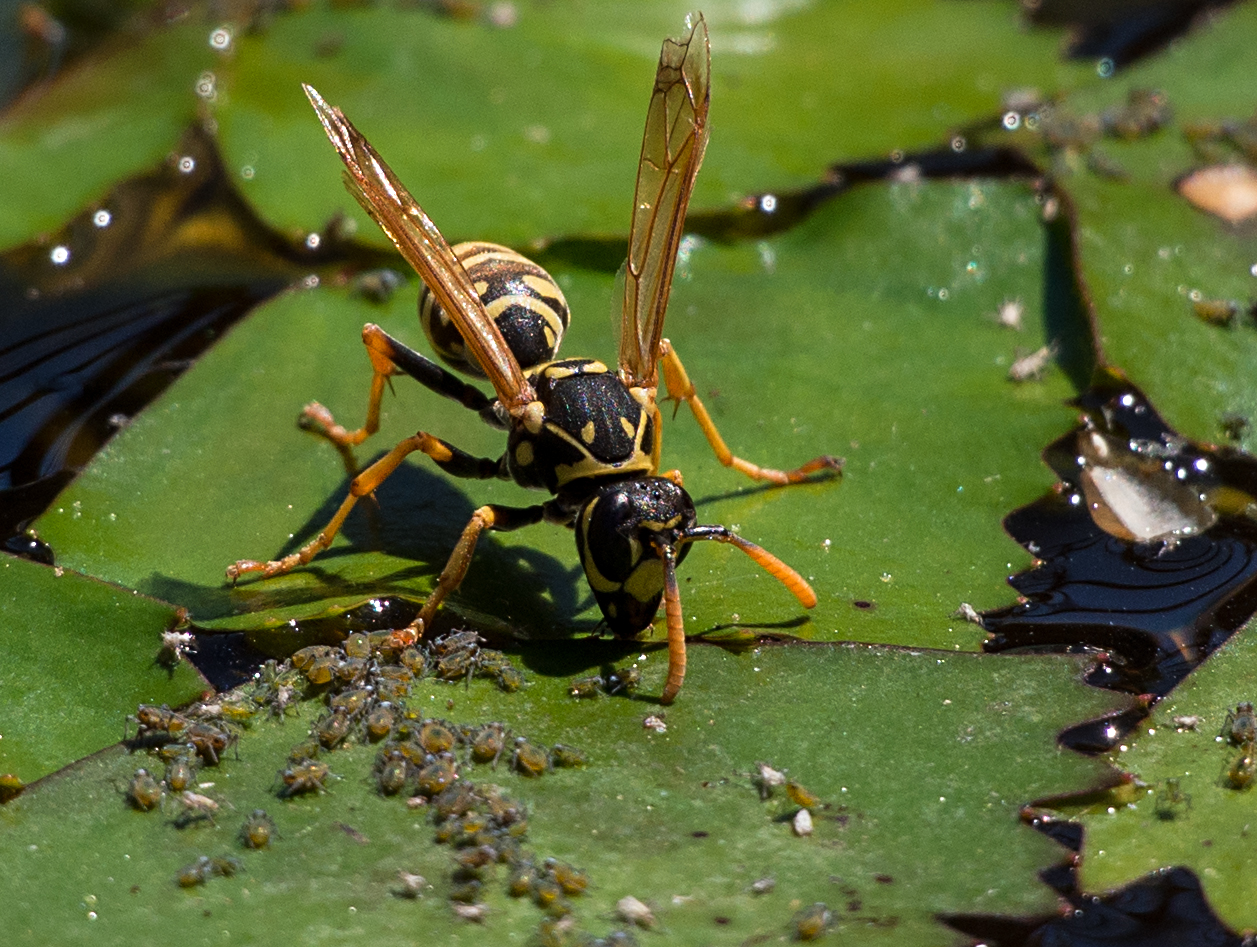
pixel 907 752
pixel 78 656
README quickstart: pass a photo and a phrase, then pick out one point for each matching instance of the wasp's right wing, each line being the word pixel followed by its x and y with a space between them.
pixel 416 237
pixel 672 150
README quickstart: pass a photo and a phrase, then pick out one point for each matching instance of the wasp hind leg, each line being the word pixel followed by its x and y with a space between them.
pixel 681 388
pixel 449 458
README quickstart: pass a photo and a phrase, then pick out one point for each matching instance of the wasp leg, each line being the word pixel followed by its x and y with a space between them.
pixel 680 387
pixel 390 357
pixel 676 627
pixel 498 518
pixel 446 456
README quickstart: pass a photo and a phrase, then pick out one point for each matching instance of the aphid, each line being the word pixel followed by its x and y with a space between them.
pixel 321 670
pixel 205 868
pixel 455 800
pixel 521 881
pixel 572 880
pixel 563 756
pixel 1171 800
pixel 356 646
pixel 181 770
pixel 258 830
pixel 196 808
pixel 352 670
pixel 436 736
pixel 380 721
pixel 583 688
pixel 304 659
pixel 11 786
pixel 623 680
pixel 812 922
pixel 763 885
pixel 332 729
pixel 488 743
pixel 466 890
pixel 436 776
pixel 1239 774
pixel 589 435
pixel 474 859
pixel 800 795
pixel 209 741
pixel 392 773
pixel 1240 725
pixel 1216 312
pixel 1031 367
pixel 160 719
pixel 529 759
pixel 546 891
pixel 969 614
pixel 767 779
pixel 510 678
pixel 303 776
pixel 413 660
pixel 144 792
pixel 632 911
pixel 351 702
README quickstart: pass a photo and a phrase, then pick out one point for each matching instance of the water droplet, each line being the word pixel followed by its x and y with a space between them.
pixel 207 86
pixel 247 172
pixel 60 255
pixel 943 294
pixel 1012 121
pixel 1104 68
pixel 313 241
pixel 896 157
pixel 102 218
pixel 220 39
pixel 186 164
pixel 958 143
pixel 768 203
pixel 1032 121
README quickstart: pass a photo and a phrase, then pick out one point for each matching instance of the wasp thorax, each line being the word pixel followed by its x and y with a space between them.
pixel 524 301
pixel 621 532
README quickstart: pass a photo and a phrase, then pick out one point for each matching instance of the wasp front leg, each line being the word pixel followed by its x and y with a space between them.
pixel 680 387
pixel 449 458
pixel 390 357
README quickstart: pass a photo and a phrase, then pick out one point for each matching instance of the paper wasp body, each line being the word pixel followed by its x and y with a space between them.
pixel 589 435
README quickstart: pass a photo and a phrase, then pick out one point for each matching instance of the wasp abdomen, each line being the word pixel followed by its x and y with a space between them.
pixel 523 299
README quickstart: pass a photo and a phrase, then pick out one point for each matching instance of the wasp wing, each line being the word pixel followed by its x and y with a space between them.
pixel 672 150
pixel 416 237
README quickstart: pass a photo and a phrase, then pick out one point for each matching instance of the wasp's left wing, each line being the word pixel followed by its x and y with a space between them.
pixel 416 237
pixel 672 150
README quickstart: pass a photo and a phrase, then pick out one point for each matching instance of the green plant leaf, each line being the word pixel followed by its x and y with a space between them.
pixel 78 657
pixel 908 751
pixel 1139 828
pixel 827 340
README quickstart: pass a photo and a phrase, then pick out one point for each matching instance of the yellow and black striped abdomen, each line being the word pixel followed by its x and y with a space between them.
pixel 523 299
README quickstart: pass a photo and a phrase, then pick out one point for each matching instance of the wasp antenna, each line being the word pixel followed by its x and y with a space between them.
pixel 676 625
pixel 764 559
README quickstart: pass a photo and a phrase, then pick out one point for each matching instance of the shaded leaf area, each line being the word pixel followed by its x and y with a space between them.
pixel 78 656
pixel 1166 909
pixel 557 98
pixel 1145 255
pixel 100 316
pixel 1155 604
pixel 910 531
pixel 1188 800
pixel 672 818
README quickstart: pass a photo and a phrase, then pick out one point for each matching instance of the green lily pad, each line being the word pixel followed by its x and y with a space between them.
pixel 78 657
pixel 555 104
pixel 907 751
pixel 1143 826
pixel 811 342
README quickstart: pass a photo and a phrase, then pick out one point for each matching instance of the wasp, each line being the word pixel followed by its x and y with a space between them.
pixel 589 435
